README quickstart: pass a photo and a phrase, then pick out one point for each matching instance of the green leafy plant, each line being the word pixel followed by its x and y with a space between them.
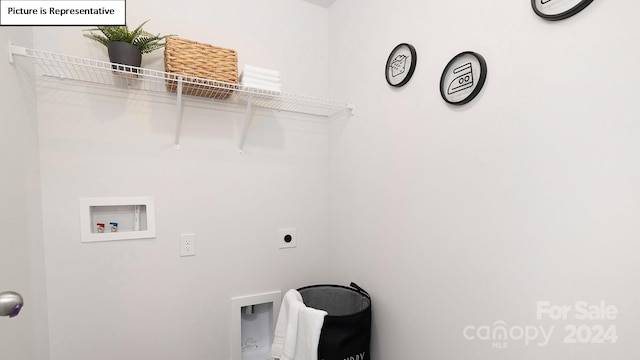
pixel 144 40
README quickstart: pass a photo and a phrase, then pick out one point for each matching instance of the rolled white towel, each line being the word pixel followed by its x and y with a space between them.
pixel 253 81
pixel 261 71
pixel 275 89
pixel 252 75
pixel 263 85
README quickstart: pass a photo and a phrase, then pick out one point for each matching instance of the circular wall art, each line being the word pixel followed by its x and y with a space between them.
pixel 558 9
pixel 463 78
pixel 400 65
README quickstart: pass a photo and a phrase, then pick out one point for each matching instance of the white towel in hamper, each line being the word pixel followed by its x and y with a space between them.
pixel 298 329
pixel 310 323
pixel 288 317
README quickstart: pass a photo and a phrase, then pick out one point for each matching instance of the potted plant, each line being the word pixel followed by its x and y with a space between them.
pixel 124 46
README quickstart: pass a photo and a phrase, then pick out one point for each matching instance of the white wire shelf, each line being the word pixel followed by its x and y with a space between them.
pixel 68 67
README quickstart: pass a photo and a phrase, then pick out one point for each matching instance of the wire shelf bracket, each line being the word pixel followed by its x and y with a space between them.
pixel 106 73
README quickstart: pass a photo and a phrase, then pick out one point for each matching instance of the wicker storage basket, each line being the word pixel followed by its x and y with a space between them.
pixel 187 57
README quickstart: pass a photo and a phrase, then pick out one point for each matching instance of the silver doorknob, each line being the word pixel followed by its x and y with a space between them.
pixel 10 303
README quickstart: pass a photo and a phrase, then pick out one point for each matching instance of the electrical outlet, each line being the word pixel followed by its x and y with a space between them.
pixel 187 244
pixel 287 238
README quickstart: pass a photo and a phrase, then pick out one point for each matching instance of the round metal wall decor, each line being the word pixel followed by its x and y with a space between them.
pixel 400 65
pixel 558 9
pixel 463 78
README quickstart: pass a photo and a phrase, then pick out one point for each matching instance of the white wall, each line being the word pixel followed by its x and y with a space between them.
pixel 140 299
pixel 465 216
pixel 449 216
pixel 21 243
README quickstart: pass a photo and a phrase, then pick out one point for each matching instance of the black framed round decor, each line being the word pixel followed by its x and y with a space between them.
pixel 463 78
pixel 400 65
pixel 558 9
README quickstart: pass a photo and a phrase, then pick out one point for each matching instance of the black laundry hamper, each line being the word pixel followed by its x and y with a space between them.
pixel 346 332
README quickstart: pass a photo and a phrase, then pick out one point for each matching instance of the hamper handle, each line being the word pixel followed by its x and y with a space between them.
pixel 355 286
